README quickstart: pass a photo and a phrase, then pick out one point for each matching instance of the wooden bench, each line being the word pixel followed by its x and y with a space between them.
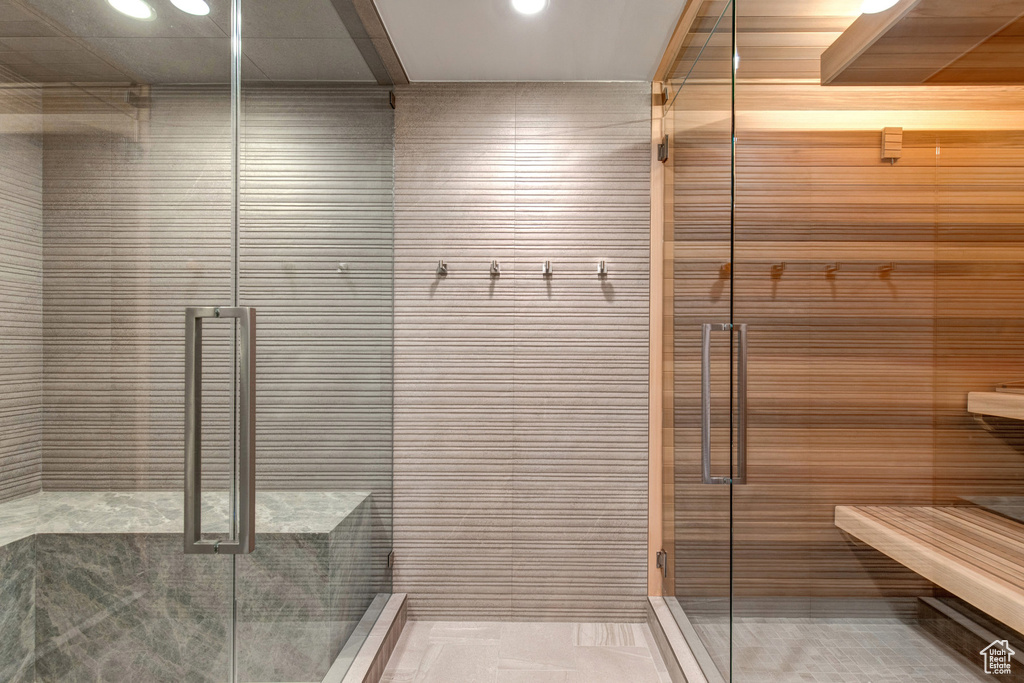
pixel 972 553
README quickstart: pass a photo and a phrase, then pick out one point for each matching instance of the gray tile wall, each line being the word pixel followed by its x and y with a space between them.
pixel 521 402
pixel 134 231
pixel 21 291
pixel 138 228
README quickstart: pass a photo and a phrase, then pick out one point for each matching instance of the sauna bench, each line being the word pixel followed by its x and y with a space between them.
pixel 996 403
pixel 974 554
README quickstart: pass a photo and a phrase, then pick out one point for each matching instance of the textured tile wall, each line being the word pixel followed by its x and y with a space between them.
pixel 138 230
pixel 134 231
pixel 21 293
pixel 520 401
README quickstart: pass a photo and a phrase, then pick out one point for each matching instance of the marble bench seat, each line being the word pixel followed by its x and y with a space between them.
pixel 95 586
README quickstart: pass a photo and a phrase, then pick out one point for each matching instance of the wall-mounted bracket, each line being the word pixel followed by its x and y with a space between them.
pixel 663 150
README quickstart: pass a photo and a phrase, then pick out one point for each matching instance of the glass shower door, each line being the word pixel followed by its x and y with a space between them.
pixel 315 259
pixel 705 344
pixel 115 216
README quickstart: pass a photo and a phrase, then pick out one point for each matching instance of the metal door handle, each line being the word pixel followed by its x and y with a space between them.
pixel 705 404
pixel 242 536
pixel 741 407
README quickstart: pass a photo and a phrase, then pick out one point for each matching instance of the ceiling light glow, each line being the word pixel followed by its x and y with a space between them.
pixel 196 7
pixel 876 6
pixel 529 6
pixel 136 9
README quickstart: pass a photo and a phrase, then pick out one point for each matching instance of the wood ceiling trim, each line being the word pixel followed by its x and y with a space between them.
pixel 863 33
pixel 918 40
pixel 675 43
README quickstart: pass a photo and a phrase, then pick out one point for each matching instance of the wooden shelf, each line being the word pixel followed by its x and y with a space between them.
pixel 974 554
pixel 1000 404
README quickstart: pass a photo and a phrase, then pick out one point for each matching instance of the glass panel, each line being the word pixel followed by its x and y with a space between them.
pixel 698 238
pixel 115 215
pixel 315 260
pixel 878 294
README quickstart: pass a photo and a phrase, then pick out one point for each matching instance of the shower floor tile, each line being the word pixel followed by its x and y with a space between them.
pixel 524 652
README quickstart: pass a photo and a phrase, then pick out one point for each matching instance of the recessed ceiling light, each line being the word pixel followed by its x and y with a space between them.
pixel 876 6
pixel 529 6
pixel 136 9
pixel 196 7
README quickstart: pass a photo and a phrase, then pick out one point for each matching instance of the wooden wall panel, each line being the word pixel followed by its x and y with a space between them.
pixel 521 402
pixel 858 378
pixel 21 291
pixel 979 304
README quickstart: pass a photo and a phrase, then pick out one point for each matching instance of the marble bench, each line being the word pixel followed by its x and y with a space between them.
pixel 95 586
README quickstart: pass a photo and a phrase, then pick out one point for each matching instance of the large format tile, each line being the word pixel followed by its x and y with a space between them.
pixel 527 652
pixel 615 665
pixel 17 611
pixel 608 635
pixel 459 661
pixel 521 401
pixel 535 676
pixel 533 645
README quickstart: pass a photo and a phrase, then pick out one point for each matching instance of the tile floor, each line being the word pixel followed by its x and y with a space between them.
pixel 836 650
pixel 525 652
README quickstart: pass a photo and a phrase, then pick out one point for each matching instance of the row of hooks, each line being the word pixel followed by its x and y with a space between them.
pixel 495 270
pixel 831 269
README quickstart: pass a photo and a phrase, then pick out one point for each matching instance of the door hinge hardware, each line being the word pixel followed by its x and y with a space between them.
pixel 663 150
pixel 661 562
pixel 391 560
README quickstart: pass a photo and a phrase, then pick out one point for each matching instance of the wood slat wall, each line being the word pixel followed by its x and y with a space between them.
pixel 21 293
pixel 520 401
pixel 858 380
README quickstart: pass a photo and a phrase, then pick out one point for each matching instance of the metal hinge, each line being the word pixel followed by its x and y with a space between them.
pixel 391 99
pixel 663 150
pixel 391 560
pixel 661 562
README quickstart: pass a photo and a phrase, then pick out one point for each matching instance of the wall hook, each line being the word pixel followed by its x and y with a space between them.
pixel 602 269
pixel 778 269
pixel 442 268
pixel 886 270
pixel 342 267
pixel 831 270
pixel 495 269
pixel 725 271
pixel 546 269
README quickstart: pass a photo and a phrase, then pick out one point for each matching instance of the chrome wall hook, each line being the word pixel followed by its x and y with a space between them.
pixel 442 268
pixel 831 270
pixel 885 271
pixel 778 269
pixel 546 270
pixel 342 267
pixel 495 269
pixel 602 269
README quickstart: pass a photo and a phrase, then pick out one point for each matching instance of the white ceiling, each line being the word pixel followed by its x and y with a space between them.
pixel 87 40
pixel 572 40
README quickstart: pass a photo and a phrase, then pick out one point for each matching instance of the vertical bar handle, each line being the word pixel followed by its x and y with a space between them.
pixel 741 408
pixel 705 402
pixel 242 537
